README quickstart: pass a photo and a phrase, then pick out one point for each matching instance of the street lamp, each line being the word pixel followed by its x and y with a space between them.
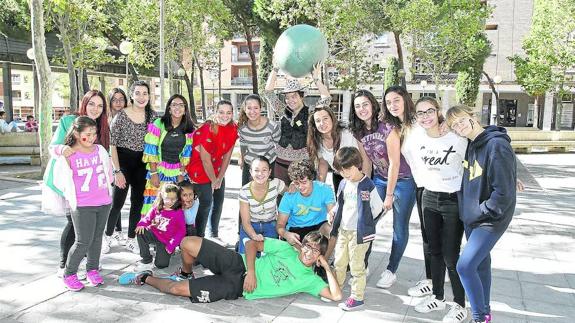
pixel 496 79
pixel 126 48
pixel 423 84
pixel 181 73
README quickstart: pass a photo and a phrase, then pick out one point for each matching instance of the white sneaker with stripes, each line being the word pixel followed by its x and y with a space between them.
pixel 422 288
pixel 430 304
pixel 456 314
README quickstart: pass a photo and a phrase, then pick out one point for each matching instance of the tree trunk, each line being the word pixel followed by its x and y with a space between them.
pixel 85 82
pixel 536 112
pixel 558 110
pixel 192 80
pixel 220 74
pixel 190 87
pixel 202 89
pixel 43 72
pixel 67 46
pixel 399 57
pixel 171 80
pixel 252 59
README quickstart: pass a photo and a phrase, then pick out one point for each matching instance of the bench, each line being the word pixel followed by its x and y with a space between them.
pixel 528 141
pixel 21 144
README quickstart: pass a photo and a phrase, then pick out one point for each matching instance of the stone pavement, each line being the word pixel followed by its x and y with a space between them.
pixel 533 265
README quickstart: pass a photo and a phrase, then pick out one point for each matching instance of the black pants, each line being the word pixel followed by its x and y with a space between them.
pixel 336 179
pixel 444 231
pixel 162 256
pixel 66 240
pixel 426 252
pixel 134 171
pixel 206 197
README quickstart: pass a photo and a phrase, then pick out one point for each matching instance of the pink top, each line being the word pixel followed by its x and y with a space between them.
pixel 89 179
pixel 169 226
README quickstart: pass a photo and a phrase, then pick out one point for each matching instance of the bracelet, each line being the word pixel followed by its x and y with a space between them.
pixel 153 173
pixel 116 171
pixel 183 173
pixel 389 194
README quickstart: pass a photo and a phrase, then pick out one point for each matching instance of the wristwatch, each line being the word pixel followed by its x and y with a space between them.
pixel 116 171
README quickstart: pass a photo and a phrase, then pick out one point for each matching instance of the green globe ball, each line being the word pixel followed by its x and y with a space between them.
pixel 299 48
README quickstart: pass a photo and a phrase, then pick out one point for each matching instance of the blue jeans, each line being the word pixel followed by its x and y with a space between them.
pixel 474 268
pixel 404 200
pixel 266 229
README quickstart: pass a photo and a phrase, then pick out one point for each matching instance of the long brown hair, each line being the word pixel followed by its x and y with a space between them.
pixel 243 118
pixel 102 124
pixel 314 137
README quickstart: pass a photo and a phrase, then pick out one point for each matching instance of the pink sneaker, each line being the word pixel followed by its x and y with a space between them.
pixel 72 283
pixel 94 278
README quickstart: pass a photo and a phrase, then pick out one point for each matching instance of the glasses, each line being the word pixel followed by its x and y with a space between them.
pixel 177 105
pixel 313 250
pixel 427 113
pixel 457 124
pixel 118 101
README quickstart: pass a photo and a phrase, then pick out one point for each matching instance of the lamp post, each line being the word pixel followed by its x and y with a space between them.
pixel 213 77
pixel 31 56
pixel 495 100
pixel 181 73
pixel 423 84
pixel 126 48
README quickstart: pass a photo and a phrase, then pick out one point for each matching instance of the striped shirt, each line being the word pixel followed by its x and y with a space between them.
pixel 264 210
pixel 261 142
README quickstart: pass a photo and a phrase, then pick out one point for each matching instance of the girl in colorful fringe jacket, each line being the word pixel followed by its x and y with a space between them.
pixel 167 148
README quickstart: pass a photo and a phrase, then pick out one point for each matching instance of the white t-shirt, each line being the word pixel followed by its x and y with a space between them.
pixel 414 136
pixel 349 211
pixel 265 209
pixel 438 161
pixel 347 140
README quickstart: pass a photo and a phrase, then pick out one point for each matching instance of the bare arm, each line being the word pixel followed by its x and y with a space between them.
pixel 291 237
pixel 252 248
pixel 322 169
pixel 246 222
pixel 207 163
pixel 366 165
pixel 225 164
pixel 394 153
pixel 119 179
pixel 333 291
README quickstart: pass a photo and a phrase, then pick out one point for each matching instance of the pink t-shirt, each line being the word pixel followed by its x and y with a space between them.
pixel 89 179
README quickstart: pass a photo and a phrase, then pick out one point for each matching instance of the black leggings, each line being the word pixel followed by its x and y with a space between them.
pixel 134 171
pixel 66 240
pixel 206 197
pixel 426 251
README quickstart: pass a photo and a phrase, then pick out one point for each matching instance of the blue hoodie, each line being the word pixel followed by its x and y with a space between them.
pixel 488 190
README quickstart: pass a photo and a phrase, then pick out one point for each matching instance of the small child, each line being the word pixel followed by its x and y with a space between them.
pixel 163 226
pixel 353 222
pixel 190 206
pixel 31 125
pixel 84 179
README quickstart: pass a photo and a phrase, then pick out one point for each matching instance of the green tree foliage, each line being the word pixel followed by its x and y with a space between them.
pixel 391 76
pixel 467 86
pixel 549 51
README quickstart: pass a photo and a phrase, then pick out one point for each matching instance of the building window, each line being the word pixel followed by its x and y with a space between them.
pixel 382 40
pixel 17 95
pixel 27 96
pixel 243 72
pixel 16 79
pixel 26 79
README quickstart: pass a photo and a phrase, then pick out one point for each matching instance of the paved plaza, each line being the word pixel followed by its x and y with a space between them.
pixel 533 265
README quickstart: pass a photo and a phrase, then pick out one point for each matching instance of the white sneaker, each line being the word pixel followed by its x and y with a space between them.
pixel 117 238
pixel 387 279
pixel 132 246
pixel 143 267
pixel 106 244
pixel 456 314
pixel 430 304
pixel 60 272
pixel 422 288
pixel 82 269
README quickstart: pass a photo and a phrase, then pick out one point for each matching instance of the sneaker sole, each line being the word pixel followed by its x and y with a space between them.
pixel 91 284
pixel 74 289
pixel 351 309
pixel 427 310
pixel 384 286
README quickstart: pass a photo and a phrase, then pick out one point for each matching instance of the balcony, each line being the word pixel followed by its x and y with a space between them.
pixel 242 57
pixel 242 81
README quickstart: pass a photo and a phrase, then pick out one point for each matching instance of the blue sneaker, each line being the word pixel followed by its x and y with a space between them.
pixel 351 304
pixel 133 278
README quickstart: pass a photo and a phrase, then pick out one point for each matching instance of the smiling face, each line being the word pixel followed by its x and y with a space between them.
pixel 224 114
pixel 395 104
pixel 141 96
pixel 95 107
pixel 118 102
pixel 253 110
pixel 323 121
pixel 260 171
pixel 426 115
pixel 294 101
pixel 177 108
pixel 462 125
pixel 363 109
pixel 305 186
pixel 309 254
pixel 169 199
pixel 188 197
pixel 87 137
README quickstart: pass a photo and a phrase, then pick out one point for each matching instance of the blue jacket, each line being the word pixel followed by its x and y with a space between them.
pixel 365 221
pixel 488 191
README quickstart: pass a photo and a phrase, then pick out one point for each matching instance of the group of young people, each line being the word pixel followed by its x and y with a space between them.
pixel 389 156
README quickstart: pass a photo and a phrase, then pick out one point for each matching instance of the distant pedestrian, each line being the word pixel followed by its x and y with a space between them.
pixel 486 202
pixel 85 178
pixel 5 126
pixel 31 125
